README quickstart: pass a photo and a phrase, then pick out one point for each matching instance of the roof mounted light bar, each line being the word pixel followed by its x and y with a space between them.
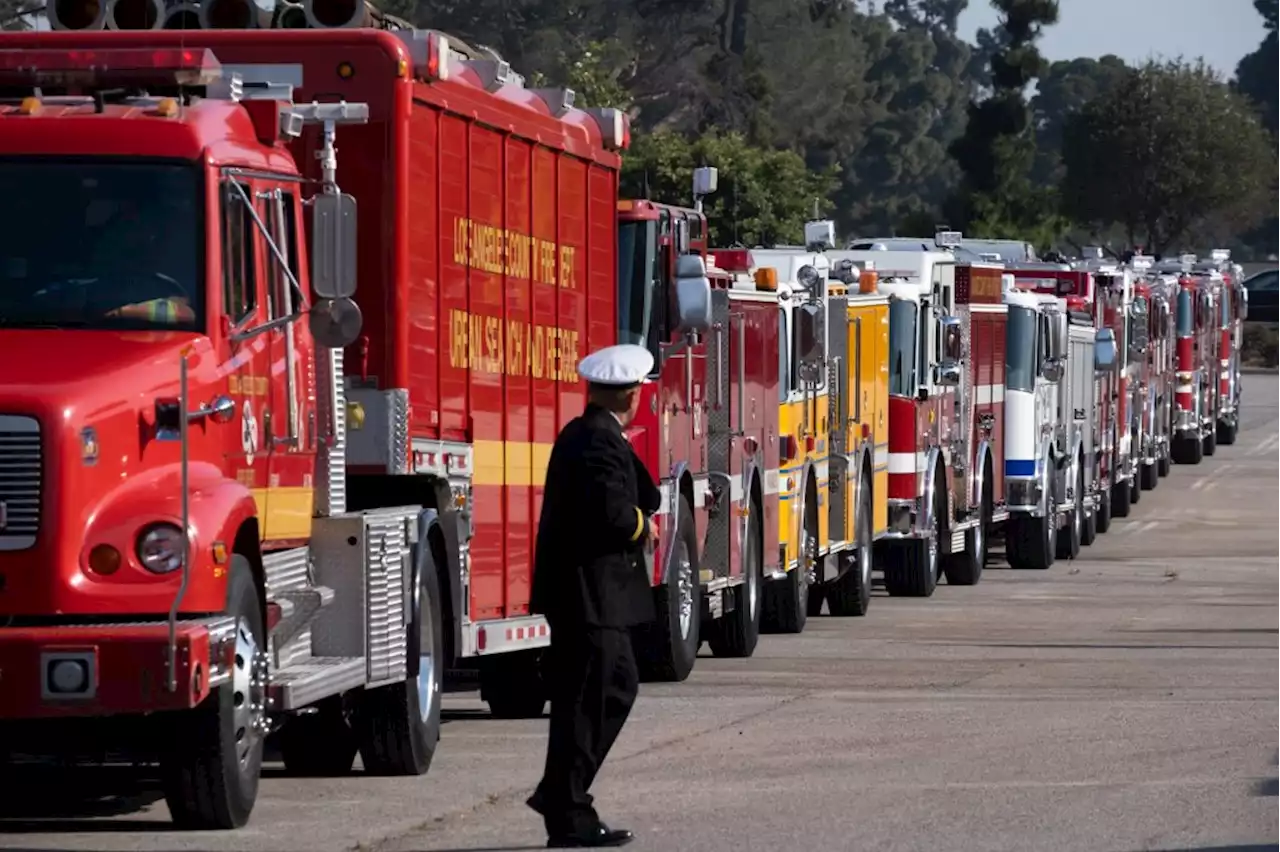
pixel 140 67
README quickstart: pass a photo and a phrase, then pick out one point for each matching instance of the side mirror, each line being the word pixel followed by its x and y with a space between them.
pixel 1104 351
pixel 333 246
pixel 947 374
pixel 693 295
pixel 810 342
pixel 952 339
pixel 1244 304
pixel 1051 369
pixel 1057 339
pixel 335 323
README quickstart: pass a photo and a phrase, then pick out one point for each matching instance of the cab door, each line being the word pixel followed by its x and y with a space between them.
pixel 245 356
pixel 289 423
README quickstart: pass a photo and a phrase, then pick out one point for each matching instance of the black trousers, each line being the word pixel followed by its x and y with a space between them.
pixel 593 683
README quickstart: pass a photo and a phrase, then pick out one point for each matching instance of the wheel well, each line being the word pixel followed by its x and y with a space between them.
pixel 247 544
pixel 868 481
pixel 811 497
pixel 686 491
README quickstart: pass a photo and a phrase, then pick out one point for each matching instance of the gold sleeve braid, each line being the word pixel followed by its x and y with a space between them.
pixel 639 525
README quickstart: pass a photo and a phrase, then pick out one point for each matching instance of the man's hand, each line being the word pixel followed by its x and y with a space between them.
pixel 651 536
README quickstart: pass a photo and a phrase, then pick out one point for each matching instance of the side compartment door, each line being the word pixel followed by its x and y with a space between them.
pixel 289 423
pixel 839 365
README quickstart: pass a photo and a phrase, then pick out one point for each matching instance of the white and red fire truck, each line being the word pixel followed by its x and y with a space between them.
pixel 1233 309
pixel 1154 296
pixel 1199 337
pixel 1053 359
pixel 946 414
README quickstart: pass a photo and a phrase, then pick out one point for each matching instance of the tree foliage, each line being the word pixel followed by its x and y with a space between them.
pixel 998 149
pixel 1165 153
pixel 764 195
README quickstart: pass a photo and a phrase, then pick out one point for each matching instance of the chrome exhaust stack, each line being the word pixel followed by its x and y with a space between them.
pixel 349 14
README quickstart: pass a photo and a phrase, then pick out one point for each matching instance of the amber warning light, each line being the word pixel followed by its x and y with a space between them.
pixel 171 67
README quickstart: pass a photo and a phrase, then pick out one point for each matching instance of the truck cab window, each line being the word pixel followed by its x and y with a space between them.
pixel 99 244
pixel 239 281
pixel 280 219
pixel 784 353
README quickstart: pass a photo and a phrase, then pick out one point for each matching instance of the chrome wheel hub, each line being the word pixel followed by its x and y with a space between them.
pixel 426 662
pixel 684 588
pixel 248 694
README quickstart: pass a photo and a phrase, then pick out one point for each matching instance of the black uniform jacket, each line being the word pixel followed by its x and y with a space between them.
pixel 588 566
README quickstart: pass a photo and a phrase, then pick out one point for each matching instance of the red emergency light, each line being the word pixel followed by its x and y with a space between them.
pixel 733 260
pixel 122 67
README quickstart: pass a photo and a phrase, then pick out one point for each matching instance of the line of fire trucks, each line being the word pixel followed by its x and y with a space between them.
pixel 310 506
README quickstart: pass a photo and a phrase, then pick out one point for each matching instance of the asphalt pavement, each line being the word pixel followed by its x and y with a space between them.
pixel 1124 701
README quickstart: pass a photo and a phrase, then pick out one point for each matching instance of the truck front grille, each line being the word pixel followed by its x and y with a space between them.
pixel 20 480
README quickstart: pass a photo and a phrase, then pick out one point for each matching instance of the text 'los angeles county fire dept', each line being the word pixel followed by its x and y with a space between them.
pixel 491 344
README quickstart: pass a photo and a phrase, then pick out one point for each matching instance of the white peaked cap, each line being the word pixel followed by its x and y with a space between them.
pixel 617 366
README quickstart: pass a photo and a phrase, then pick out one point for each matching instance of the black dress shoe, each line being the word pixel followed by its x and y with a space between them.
pixel 599 836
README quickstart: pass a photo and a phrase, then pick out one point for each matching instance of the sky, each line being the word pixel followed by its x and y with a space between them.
pixel 1222 31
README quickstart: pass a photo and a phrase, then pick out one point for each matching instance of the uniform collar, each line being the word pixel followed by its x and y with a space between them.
pixel 604 415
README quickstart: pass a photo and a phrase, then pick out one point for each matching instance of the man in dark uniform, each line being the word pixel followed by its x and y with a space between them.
pixel 591 584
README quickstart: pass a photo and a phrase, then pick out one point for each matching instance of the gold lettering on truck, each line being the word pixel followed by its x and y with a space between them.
pixel 489 344
pixel 500 251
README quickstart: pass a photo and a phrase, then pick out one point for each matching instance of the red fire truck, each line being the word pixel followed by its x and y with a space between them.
pixel 1233 309
pixel 1200 338
pixel 946 415
pixel 1154 296
pixel 706 434
pixel 304 510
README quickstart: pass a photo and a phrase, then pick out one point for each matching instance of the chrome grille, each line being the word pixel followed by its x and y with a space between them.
pixel 20 477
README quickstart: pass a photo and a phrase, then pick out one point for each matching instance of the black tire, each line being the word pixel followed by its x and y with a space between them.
pixel 1187 450
pixel 398 726
pixel 1102 514
pixel 1121 499
pixel 965 569
pixel 1210 442
pixel 1148 476
pixel 1031 543
pixel 912 571
pixel 670 651
pixel 1070 539
pixel 1227 431
pixel 850 595
pixel 737 634
pixel 1089 530
pixel 320 744
pixel 210 773
pixel 786 601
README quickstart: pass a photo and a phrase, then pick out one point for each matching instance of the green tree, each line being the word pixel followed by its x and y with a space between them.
pixel 1165 154
pixel 998 149
pixel 1256 75
pixel 764 195
pixel 1061 92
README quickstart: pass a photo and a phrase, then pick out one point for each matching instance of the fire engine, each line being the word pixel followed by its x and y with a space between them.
pixel 1053 357
pixel 833 428
pixel 946 414
pixel 705 431
pixel 303 512
pixel 1198 328
pixel 1233 309
pixel 1154 297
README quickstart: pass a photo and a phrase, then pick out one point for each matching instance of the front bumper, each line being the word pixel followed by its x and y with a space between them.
pixel 1024 495
pixel 903 520
pixel 108 669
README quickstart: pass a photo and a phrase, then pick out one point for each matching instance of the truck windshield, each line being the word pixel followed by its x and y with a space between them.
pixel 902 348
pixel 1020 349
pixel 636 251
pixel 1186 320
pixel 98 245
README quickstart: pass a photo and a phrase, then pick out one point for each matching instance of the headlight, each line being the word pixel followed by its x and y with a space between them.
pixel 160 548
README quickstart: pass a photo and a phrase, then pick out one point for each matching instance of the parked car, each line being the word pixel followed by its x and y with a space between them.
pixel 1263 288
